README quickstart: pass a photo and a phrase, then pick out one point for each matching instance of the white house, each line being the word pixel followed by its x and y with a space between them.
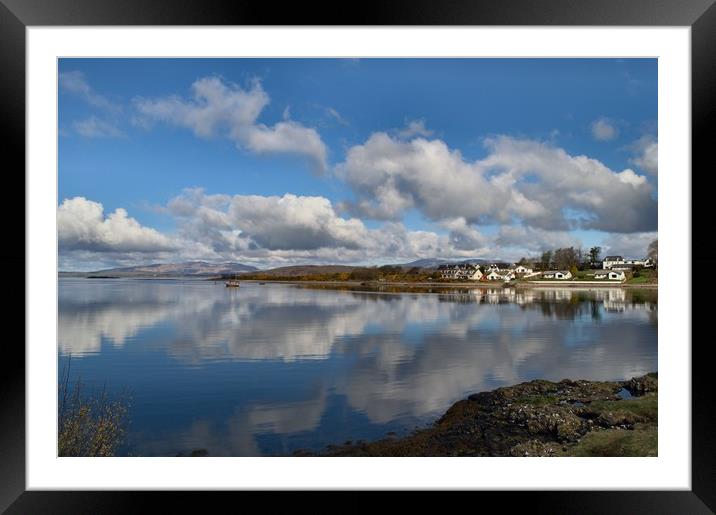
pixel 494 275
pixel 619 263
pixel 523 270
pixel 611 275
pixel 464 271
pixel 508 275
pixel 611 261
pixel 500 275
pixel 557 274
pixel 476 275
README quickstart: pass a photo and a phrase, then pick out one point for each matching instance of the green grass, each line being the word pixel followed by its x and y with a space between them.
pixel 645 406
pixel 639 280
pixel 641 441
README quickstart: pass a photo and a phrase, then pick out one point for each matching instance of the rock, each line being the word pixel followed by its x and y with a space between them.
pixel 618 418
pixel 533 448
pixel 640 385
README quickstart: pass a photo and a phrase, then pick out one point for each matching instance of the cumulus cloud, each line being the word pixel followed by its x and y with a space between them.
pixel 464 236
pixel 522 182
pixel 532 240
pixel 630 246
pixel 646 154
pixel 82 225
pixel 292 228
pixel 94 127
pixel 219 106
pixel 604 129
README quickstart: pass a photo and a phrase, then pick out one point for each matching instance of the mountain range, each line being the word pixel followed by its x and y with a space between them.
pixel 206 269
pixel 186 269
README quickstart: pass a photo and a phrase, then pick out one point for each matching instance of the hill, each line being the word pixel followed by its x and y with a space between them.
pixel 307 270
pixel 186 269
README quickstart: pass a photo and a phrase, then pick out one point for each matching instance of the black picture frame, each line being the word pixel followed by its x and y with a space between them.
pixel 700 15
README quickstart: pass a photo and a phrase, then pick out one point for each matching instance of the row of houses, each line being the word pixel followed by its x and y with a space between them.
pixel 470 272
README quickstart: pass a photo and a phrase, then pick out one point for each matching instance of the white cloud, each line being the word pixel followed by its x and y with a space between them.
pixel 464 236
pixel 82 225
pixel 521 182
pixel 217 105
pixel 76 83
pixel 604 129
pixel 336 116
pixel 415 128
pixel 530 240
pixel 628 245
pixel 94 127
pixel 292 229
pixel 646 150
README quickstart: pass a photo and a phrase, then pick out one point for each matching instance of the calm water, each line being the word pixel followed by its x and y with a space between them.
pixel 269 369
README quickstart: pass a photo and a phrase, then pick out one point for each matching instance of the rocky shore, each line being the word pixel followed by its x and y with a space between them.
pixel 537 418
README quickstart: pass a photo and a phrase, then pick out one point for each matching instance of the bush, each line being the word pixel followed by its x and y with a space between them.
pixel 363 274
pixel 89 424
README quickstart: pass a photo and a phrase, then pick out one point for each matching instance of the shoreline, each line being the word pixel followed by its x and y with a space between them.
pixel 589 285
pixel 537 418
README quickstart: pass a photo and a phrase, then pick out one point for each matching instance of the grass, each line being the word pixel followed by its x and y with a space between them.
pixel 642 440
pixel 645 406
pixel 89 423
pixel 640 280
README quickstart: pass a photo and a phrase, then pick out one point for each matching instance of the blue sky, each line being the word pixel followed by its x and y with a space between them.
pixel 383 160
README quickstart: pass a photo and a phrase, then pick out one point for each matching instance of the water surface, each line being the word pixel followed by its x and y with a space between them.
pixel 271 369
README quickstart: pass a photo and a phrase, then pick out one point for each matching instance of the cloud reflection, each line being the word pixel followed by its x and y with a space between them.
pixel 401 356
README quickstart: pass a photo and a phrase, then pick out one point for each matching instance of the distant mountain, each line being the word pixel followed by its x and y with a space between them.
pixel 436 262
pixel 292 271
pixel 187 269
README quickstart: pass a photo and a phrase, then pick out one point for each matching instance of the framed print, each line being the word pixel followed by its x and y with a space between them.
pixel 414 250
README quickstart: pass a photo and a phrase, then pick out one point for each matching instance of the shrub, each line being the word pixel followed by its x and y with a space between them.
pixel 89 424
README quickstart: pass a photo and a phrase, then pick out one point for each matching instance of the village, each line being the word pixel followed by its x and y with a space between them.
pixel 613 269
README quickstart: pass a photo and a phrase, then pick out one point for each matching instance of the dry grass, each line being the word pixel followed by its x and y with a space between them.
pixel 89 423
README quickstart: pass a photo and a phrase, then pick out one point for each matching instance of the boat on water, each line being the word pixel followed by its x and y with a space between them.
pixel 232 284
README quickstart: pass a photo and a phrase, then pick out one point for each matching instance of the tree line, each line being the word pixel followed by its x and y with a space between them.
pixel 575 258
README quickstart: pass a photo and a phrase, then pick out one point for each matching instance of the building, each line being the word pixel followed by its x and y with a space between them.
pixel 500 275
pixel 493 275
pixel 522 270
pixel 557 274
pixel 611 261
pixel 463 272
pixel 612 275
pixel 619 263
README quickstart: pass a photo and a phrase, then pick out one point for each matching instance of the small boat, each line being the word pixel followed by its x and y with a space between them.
pixel 232 284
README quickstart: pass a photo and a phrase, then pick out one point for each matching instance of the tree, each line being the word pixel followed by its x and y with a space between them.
pixel 653 252
pixel 546 259
pixel 594 253
pixel 565 258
